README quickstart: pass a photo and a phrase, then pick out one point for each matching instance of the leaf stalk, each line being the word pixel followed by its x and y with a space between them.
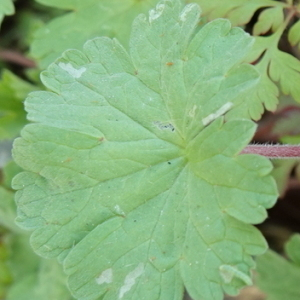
pixel 274 151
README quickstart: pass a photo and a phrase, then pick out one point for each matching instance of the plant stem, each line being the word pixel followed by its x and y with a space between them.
pixel 17 58
pixel 274 151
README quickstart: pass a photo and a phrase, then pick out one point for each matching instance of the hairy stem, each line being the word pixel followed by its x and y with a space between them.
pixel 274 151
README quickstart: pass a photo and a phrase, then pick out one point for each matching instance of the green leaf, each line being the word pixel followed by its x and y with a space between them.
pixel 292 249
pixel 274 66
pixel 239 12
pixel 252 103
pixel 294 34
pixel 13 91
pixel 274 269
pixel 269 19
pixel 133 179
pixel 87 19
pixel 285 69
pixel 6 8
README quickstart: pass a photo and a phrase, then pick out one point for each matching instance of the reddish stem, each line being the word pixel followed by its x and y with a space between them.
pixel 16 58
pixel 274 151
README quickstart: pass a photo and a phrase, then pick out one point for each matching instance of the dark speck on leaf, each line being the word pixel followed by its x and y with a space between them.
pixel 164 126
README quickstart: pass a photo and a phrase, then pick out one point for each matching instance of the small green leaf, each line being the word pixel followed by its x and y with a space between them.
pixel 292 248
pixel 239 12
pixel 261 44
pixel 133 178
pixel 278 277
pixel 6 8
pixel 285 69
pixel 294 34
pixel 253 102
pixel 269 19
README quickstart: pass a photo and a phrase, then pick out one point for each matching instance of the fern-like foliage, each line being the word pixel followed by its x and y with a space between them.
pixel 277 68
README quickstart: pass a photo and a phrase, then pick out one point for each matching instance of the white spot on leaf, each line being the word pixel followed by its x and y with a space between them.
pixel 228 272
pixel 187 9
pixel 130 279
pixel 119 210
pixel 222 110
pixel 105 277
pixel 156 13
pixel 76 73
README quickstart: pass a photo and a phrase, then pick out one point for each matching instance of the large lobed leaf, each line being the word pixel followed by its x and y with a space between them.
pixel 133 178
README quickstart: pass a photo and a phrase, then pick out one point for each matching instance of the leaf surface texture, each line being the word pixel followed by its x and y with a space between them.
pixel 133 178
